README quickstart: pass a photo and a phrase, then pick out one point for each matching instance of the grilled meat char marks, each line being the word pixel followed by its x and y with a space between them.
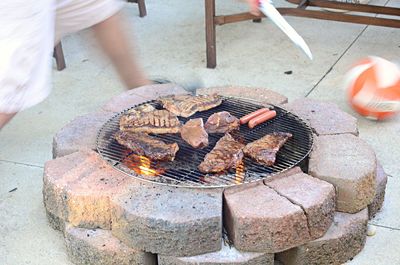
pixel 264 149
pixel 145 145
pixel 193 133
pixel 147 119
pixel 187 105
pixel 222 122
pixel 226 154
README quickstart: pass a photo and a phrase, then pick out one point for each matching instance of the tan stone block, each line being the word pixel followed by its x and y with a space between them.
pixel 284 174
pixel 227 256
pixel 325 118
pixel 97 246
pixel 261 95
pixel 380 187
pixel 141 94
pixel 159 90
pixel 78 188
pixel 349 164
pixel 314 196
pixel 344 239
pixel 260 220
pixel 80 134
pixel 169 220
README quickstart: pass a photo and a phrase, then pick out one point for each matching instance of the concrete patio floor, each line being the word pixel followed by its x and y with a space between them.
pixel 171 45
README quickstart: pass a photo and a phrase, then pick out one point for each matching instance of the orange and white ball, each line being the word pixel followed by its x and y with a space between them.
pixel 373 87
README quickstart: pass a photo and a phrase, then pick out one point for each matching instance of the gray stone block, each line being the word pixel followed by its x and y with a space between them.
pixel 169 220
pixel 324 117
pixel 349 164
pixel 55 222
pixel 77 189
pixel 380 187
pixel 99 247
pixel 258 219
pixel 79 134
pixel 344 239
pixel 226 256
pixel 261 95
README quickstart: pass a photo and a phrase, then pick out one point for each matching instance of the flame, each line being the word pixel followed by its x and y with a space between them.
pixel 141 165
pixel 239 175
pixel 145 167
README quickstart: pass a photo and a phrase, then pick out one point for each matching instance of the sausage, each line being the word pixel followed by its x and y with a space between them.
pixel 262 118
pixel 248 117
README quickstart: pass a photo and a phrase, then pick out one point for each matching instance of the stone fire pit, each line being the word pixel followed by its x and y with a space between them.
pixel 318 216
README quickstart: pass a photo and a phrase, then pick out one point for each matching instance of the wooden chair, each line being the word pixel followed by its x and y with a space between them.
pixel 58 53
pixel 213 20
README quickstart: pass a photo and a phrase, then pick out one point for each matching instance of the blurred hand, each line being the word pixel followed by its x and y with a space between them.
pixel 253 4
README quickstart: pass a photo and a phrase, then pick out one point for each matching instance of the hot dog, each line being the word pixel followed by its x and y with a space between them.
pixel 261 118
pixel 248 117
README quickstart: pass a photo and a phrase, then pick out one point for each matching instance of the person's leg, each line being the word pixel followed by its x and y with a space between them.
pixel 104 18
pixel 114 41
pixel 5 118
pixel 26 37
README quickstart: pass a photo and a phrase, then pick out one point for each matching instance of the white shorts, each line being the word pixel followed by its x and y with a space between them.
pixel 28 32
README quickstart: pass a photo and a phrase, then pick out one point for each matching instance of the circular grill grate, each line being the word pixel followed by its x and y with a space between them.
pixel 183 170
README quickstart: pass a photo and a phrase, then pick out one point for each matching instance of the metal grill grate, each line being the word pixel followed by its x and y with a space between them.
pixel 183 170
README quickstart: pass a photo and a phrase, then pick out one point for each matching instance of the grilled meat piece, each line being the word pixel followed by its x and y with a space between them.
pixel 187 105
pixel 222 122
pixel 226 154
pixel 145 145
pixel 147 119
pixel 193 133
pixel 264 149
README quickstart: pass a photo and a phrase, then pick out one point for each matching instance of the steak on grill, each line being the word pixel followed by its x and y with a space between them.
pixel 264 149
pixel 145 145
pixel 227 153
pixel 193 133
pixel 187 105
pixel 221 122
pixel 147 119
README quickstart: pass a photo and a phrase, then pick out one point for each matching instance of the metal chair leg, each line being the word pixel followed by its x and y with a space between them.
pixel 59 56
pixel 142 7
